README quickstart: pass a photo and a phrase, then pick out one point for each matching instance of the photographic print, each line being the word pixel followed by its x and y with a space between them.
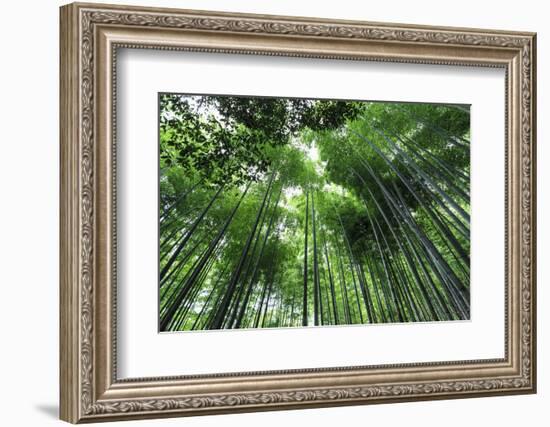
pixel 288 212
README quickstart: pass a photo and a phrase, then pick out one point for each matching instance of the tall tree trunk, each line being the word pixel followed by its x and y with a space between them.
pixel 255 271
pixel 331 281
pixel 242 287
pixel 189 234
pixel 205 306
pixel 166 319
pixel 179 199
pixel 221 313
pixel 305 308
pixel 317 286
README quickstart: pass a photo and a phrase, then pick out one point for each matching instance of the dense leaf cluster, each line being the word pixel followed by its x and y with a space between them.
pixel 288 212
pixel 225 138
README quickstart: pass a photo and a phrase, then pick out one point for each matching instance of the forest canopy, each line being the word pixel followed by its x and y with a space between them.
pixel 278 212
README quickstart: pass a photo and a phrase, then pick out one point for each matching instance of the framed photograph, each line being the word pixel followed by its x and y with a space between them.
pixel 266 212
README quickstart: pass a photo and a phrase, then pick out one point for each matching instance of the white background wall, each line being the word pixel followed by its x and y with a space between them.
pixel 29 170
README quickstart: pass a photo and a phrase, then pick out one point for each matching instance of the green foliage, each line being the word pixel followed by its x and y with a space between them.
pixel 228 139
pixel 383 188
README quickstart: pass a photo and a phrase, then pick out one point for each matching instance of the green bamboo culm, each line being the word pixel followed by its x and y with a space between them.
pixel 294 212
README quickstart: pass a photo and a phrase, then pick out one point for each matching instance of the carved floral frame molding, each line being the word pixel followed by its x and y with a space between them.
pixel 90 37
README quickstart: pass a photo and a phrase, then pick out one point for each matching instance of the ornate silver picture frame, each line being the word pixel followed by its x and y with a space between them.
pixel 91 36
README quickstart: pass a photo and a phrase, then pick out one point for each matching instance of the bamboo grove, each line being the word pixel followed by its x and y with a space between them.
pixel 294 212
